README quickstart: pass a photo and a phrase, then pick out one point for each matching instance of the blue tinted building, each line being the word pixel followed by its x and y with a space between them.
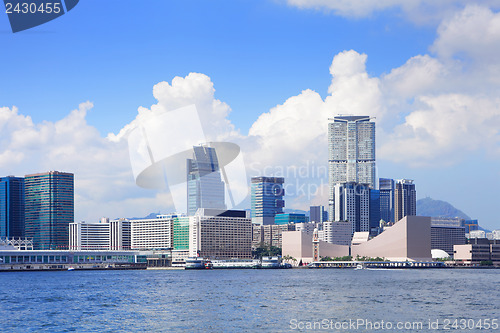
pixel 267 199
pixel 49 209
pixel 386 187
pixel 205 188
pixel 290 218
pixel 12 207
pixel 374 211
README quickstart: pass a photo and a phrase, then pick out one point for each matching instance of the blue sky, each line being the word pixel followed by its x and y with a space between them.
pixel 259 56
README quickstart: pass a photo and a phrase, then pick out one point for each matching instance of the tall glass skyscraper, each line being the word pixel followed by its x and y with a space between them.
pixel 267 199
pixel 49 209
pixel 12 207
pixel 386 188
pixel 351 145
pixel 205 188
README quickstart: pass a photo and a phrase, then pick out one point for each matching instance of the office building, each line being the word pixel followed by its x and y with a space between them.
pixel 386 187
pixel 405 199
pixel 287 218
pixel 12 207
pixel 152 234
pixel 267 199
pixel 351 146
pixel 205 188
pixel 318 214
pixel 219 234
pixel 120 234
pixel 49 209
pixel 89 236
pixel 352 203
pixel 444 237
pixel 337 232
pixel 374 211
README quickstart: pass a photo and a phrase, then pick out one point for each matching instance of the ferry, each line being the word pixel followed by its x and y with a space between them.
pixel 198 263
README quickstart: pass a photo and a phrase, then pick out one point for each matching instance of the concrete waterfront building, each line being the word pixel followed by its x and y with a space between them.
pixel 352 203
pixel 205 188
pixel 299 245
pixel 49 209
pixel 12 207
pixel 386 187
pixel 405 199
pixel 219 234
pixel 318 214
pixel 89 236
pixel 351 146
pixel 267 199
pixel 152 234
pixel 409 239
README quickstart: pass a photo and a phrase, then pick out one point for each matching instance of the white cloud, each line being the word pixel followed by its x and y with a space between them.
pixel 472 32
pixel 418 11
pixel 431 111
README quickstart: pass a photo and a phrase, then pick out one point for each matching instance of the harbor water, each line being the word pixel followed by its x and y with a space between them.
pixel 249 300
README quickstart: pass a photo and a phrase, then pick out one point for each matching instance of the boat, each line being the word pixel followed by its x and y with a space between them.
pixel 71 268
pixel 197 263
pixel 360 266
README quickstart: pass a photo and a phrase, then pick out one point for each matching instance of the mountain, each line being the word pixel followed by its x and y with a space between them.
pixel 295 211
pixel 438 208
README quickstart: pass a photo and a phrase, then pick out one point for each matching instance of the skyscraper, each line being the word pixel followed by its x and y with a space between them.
pixel 267 199
pixel 205 188
pixel 318 214
pixel 386 188
pixel 12 207
pixel 351 152
pixel 352 203
pixel 49 208
pixel 405 199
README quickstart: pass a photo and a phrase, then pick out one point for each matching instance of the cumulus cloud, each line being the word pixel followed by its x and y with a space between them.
pixel 418 11
pixel 429 111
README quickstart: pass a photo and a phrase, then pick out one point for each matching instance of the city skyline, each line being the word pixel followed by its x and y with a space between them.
pixel 429 80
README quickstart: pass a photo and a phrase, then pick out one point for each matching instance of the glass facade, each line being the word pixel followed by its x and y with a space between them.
pixel 12 207
pixel 290 218
pixel 267 199
pixel 49 209
pixel 205 188
pixel 181 233
pixel 386 188
pixel 374 210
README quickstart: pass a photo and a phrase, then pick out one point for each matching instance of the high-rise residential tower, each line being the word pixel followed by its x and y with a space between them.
pixel 49 208
pixel 267 199
pixel 386 187
pixel 12 207
pixel 205 188
pixel 351 152
pixel 405 199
